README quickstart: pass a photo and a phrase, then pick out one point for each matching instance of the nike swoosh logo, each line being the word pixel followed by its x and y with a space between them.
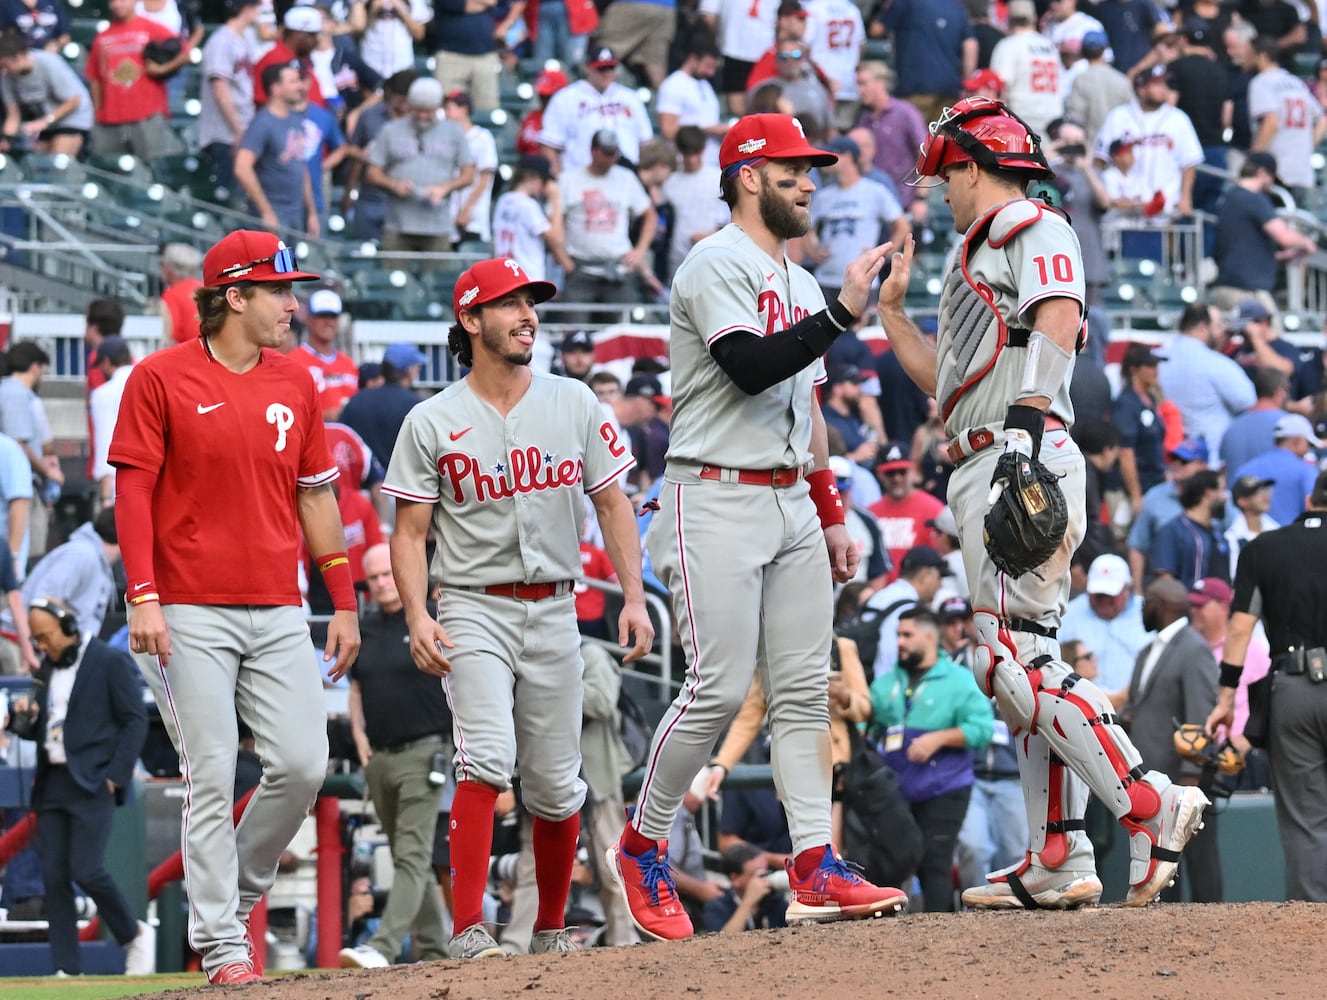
pixel 209 409
pixel 457 435
pixel 140 586
pixel 1060 444
pixel 770 276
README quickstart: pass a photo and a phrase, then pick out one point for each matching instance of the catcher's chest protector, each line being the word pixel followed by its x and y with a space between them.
pixel 972 331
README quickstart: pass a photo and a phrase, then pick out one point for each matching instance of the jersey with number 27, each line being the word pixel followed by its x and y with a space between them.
pixel 230 451
pixel 508 492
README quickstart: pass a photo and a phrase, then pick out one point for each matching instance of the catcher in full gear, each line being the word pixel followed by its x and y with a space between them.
pixel 1011 320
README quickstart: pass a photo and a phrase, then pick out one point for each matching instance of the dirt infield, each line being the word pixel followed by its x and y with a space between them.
pixel 1247 950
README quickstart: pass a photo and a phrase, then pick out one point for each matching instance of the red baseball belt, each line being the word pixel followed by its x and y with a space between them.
pixel 525 591
pixel 753 477
pixel 979 439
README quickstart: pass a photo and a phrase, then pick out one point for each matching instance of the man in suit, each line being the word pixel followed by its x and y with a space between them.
pixel 86 715
pixel 1174 680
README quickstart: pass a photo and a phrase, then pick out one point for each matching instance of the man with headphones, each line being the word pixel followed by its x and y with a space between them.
pixel 86 715
pixel 1010 322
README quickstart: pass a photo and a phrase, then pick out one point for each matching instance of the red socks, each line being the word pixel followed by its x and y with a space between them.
pixel 554 856
pixel 636 843
pixel 808 861
pixel 471 847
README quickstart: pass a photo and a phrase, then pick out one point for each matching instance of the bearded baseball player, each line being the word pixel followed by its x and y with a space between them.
pixel 498 464
pixel 749 535
pixel 222 460
pixel 1011 312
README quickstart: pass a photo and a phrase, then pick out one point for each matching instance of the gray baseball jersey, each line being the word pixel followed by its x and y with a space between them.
pixel 508 490
pixel 1016 256
pixel 1284 95
pixel 727 284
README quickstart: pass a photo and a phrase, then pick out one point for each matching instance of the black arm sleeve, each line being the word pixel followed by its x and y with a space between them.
pixel 755 363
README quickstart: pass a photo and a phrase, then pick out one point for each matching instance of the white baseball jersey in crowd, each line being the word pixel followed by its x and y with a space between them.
pixel 1164 142
pixel 519 225
pixel 484 152
pixel 1280 93
pixel 695 103
pixel 1029 65
pixel 836 34
pixel 576 112
pixel 746 27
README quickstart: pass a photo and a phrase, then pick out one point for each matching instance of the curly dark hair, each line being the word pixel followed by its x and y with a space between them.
pixel 458 342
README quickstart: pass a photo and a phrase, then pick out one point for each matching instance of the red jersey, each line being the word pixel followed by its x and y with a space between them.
pixel 280 54
pixel 903 524
pixel 527 139
pixel 767 68
pixel 115 64
pixel 353 457
pixel 95 378
pixel 178 301
pixel 597 566
pixel 230 451
pixel 362 528
pixel 335 375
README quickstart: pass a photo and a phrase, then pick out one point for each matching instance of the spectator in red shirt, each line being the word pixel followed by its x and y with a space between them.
pixel 334 372
pixel 590 600
pixel 181 265
pixel 546 84
pixel 128 89
pixel 904 510
pixel 299 37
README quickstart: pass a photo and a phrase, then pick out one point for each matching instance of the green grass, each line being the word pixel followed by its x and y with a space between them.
pixel 96 987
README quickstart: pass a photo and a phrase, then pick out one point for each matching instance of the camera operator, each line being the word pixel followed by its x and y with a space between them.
pixel 86 716
pixel 1085 200
pixel 756 898
pixel 1289 602
pixel 399 717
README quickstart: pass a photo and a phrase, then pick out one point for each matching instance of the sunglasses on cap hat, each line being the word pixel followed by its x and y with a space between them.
pixel 283 262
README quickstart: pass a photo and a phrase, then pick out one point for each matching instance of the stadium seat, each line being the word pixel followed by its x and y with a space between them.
pixel 52 168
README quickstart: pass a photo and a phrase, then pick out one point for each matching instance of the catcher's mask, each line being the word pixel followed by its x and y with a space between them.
pixel 984 131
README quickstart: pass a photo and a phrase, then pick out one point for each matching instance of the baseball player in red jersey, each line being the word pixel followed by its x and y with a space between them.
pixel 749 535
pixel 499 464
pixel 222 461
pixel 1011 311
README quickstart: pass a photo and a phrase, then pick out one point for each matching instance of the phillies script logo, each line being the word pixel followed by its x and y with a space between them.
pixel 771 307
pixel 528 471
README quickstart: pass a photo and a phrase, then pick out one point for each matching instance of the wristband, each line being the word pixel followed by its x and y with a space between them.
pixel 1230 673
pixel 1026 418
pixel 721 767
pixel 149 594
pixel 335 568
pixel 825 495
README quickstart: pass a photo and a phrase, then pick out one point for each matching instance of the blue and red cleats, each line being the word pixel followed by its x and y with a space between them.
pixel 836 891
pixel 646 883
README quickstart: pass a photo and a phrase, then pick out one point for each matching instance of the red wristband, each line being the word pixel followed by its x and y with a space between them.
pixel 825 495
pixel 335 568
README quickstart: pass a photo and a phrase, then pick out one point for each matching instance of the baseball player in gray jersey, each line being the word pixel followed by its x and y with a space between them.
pixel 498 464
pixel 749 534
pixel 1011 312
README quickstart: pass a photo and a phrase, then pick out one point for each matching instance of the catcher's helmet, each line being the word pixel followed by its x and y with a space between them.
pixel 982 130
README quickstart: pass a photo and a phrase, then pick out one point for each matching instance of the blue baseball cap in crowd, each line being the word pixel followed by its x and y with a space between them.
pixel 403 356
pixel 1190 450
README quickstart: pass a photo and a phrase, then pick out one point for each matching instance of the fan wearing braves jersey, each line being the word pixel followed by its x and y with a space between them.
pixel 221 461
pixel 499 464
pixel 1011 312
pixel 578 111
pixel 749 536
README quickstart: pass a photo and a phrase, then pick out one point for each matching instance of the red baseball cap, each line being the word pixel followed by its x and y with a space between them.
pixel 549 82
pixel 769 137
pixel 492 279
pixel 250 255
pixel 984 78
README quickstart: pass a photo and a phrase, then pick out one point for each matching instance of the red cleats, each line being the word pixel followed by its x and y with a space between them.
pixel 254 960
pixel 646 883
pixel 835 891
pixel 232 974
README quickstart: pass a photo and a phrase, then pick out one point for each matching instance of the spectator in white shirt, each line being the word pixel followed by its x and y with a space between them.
pixel 116 361
pixel 697 213
pixel 472 206
pixel 578 111
pixel 388 30
pixel 687 97
pixel 522 230
pixel 837 36
pixel 1029 64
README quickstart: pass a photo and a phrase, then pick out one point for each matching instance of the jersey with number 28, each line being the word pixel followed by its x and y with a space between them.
pixel 508 493
pixel 230 451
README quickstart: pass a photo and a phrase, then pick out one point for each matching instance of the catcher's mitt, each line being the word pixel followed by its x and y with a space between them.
pixel 1194 745
pixel 1027 521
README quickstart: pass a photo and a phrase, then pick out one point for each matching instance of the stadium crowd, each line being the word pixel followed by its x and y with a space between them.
pixel 1152 113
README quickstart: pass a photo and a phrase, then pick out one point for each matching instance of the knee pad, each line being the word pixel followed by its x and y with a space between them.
pixel 1000 674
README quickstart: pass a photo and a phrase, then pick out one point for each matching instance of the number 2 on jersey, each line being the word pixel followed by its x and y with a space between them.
pixel 609 433
pixel 1062 268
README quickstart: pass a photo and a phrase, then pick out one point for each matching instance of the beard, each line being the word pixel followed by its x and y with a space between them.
pixel 785 221
pixel 911 662
pixel 500 344
pixel 1150 620
pixel 1217 510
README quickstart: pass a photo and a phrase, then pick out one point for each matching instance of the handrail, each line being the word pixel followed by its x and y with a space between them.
pixel 663 638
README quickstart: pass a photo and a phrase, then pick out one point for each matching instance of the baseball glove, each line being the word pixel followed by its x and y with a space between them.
pixel 1194 745
pixel 1027 520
